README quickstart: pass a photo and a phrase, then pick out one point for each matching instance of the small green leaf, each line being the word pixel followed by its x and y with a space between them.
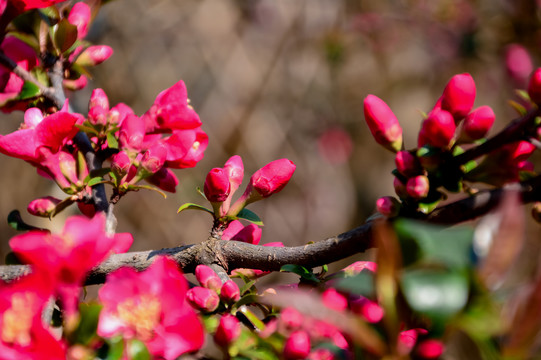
pixel 137 350
pixel 16 222
pixel 247 286
pixel 245 300
pixel 521 110
pixel 112 142
pixel 29 91
pixel 192 206
pixel 65 35
pixel 523 94
pixel 437 294
pixel 200 192
pixel 50 15
pixel 96 181
pixel 258 324
pixel 303 272
pixel 250 216
pixel 147 187
pixel 88 325
pixel 360 284
pixel 116 348
pixel 87 129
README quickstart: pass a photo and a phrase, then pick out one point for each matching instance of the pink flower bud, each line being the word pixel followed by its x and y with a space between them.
pixel 291 319
pixel 297 346
pixel 80 17
pixel 406 341
pixel 430 349
pixel 358 266
pixel 230 292
pixel 76 84
pixel 459 95
pixel 250 234
pixel 154 158
pixel 208 277
pixel 369 310
pixel 165 179
pixel 478 123
pixel 132 132
pixel 43 206
pixel 97 116
pixel 273 177
pixel 120 163
pixel 234 169
pixel 228 330
pixel 217 186
pixel 407 164
pixel 382 123
pixel 400 188
pixel 98 99
pixel 68 166
pixel 418 187
pixel 534 86
pixel 518 63
pixel 388 206
pixel 437 129
pixel 94 55
pixel 203 299
pixel 334 300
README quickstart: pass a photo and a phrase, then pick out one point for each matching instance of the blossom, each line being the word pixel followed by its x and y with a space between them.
pixel 208 277
pixel 94 55
pixel 43 206
pixel 418 187
pixel 203 299
pixel 388 206
pixel 68 256
pixel 382 123
pixel 24 5
pixel 230 292
pixel 518 63
pixel 150 306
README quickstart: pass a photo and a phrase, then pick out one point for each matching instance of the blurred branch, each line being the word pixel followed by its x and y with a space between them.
pixel 231 255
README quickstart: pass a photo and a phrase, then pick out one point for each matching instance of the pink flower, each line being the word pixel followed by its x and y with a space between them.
pixel 25 57
pixel 51 132
pixel 22 332
pixel 208 277
pixel 459 95
pixel 297 346
pixel 382 123
pixel 24 5
pixel 534 86
pixel 68 256
pixel 406 341
pixel 217 186
pixel 477 123
pixel 121 163
pixel 203 299
pixel 132 132
pixel 228 330
pixel 291 319
pixel 418 187
pixel 154 158
pixel 358 266
pixel 94 55
pixel 150 306
pixel 230 292
pixel 272 178
pixel 43 206
pixel 165 179
pixel 437 129
pixel 185 148
pixel 80 17
pixel 250 234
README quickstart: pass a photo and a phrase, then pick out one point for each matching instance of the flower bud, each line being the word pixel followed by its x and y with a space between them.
pixel 217 186
pixel 273 177
pixel 208 277
pixel 97 116
pixel 132 132
pixel 165 179
pixel 368 309
pixel 80 17
pixel 43 206
pixel 120 163
pixel 94 55
pixel 250 234
pixel 459 95
pixel 230 292
pixel 98 99
pixel 75 84
pixel 437 129
pixel 334 300
pixel 534 86
pixel 203 299
pixel 291 319
pixel 228 330
pixel 154 158
pixel 388 206
pixel 518 64
pixel 358 266
pixel 234 169
pixel 407 164
pixel 68 166
pixel 418 187
pixel 406 341
pixel 478 123
pixel 297 346
pixel 430 349
pixel 382 123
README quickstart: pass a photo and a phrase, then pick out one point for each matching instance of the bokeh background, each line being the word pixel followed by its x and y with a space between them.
pixel 277 79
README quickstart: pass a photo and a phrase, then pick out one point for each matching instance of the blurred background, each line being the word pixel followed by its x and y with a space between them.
pixel 275 79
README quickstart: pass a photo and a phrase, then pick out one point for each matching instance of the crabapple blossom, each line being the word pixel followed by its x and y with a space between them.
pixel 230 292
pixel 228 330
pixel 383 123
pixel 477 123
pixel 208 277
pixel 459 95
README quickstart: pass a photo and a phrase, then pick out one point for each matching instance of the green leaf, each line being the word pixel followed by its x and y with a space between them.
pixel 112 142
pixel 16 222
pixel 360 284
pixel 50 15
pixel 192 206
pixel 147 187
pixel 521 110
pixel 88 325
pixel 65 35
pixel 435 293
pixel 258 324
pixel 303 272
pixel 449 246
pixel 96 181
pixel 87 129
pixel 250 216
pixel 116 348
pixel 247 286
pixel 523 94
pixel 29 91
pixel 137 350
pixel 200 192
pixel 245 300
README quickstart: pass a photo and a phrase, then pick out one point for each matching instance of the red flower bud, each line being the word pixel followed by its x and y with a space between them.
pixel 291 318
pixel 76 84
pixel 208 277
pixel 388 206
pixel 165 179
pixel 430 349
pixel 407 164
pixel 534 86
pixel 43 206
pixel 297 346
pixel 203 299
pixel 132 132
pixel 120 163
pixel 368 309
pixel 228 330
pixel 98 99
pixel 154 158
pixel 459 95
pixel 80 17
pixel 382 123
pixel 418 187
pixel 478 123
pixel 217 186
pixel 437 130
pixel 230 292
pixel 234 169
pixel 518 64
pixel 273 177
pixel 250 234
pixel 94 55
pixel 334 300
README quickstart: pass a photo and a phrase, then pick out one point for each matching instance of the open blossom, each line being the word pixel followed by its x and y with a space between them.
pixel 383 123
pixel 69 255
pixel 150 306
pixel 22 332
